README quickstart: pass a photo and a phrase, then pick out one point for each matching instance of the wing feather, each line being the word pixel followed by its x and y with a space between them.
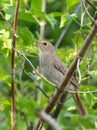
pixel 59 65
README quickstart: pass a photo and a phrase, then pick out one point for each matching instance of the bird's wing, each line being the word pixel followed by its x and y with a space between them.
pixel 59 65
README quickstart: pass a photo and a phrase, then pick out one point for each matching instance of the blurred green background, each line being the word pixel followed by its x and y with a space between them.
pixel 60 16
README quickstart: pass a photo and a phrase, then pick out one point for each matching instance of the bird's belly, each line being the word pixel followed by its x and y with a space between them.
pixel 52 75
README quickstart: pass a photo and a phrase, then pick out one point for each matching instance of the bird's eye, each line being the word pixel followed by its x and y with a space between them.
pixel 45 43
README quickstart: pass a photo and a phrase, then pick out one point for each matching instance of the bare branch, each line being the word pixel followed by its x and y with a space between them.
pixel 83 3
pixel 43 23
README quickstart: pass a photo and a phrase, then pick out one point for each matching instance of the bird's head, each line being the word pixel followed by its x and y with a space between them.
pixel 45 46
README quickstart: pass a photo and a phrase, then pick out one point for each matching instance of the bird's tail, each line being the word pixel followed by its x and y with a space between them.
pixel 79 103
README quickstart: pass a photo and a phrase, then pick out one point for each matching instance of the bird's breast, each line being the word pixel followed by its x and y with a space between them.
pixel 49 71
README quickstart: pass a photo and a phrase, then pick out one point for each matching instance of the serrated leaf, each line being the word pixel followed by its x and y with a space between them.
pixel 51 20
pixel 67 19
pixel 70 17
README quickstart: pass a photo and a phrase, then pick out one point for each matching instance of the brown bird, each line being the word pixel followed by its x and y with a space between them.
pixel 54 69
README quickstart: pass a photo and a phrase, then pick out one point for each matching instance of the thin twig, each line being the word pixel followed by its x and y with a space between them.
pixel 21 72
pixel 10 27
pixel 36 71
pixel 13 69
pixel 62 35
pixel 83 3
pixel 78 69
pixel 37 86
pixel 83 92
pixel 91 4
pixel 82 14
pixel 22 114
pixel 43 92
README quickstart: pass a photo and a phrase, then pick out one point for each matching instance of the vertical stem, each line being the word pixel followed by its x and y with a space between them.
pixel 13 69
pixel 42 24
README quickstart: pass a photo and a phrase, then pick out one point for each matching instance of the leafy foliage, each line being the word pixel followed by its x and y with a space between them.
pixel 28 97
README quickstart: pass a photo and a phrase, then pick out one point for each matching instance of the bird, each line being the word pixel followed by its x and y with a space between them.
pixel 54 69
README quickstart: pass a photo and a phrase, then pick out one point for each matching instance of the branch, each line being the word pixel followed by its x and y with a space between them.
pixel 60 105
pixel 58 108
pixel 91 4
pixel 42 24
pixel 44 116
pixel 83 3
pixel 13 69
pixel 63 86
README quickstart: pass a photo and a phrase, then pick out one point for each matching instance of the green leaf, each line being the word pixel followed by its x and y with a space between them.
pixel 70 17
pixel 63 21
pixel 25 39
pixel 37 16
pixel 27 105
pixel 26 16
pixel 68 114
pixel 51 20
pixel 56 14
pixel 75 118
pixel 93 73
pixel 89 98
pixel 32 76
pixel 67 19
pixel 71 3
pixel 37 5
pixel 5 101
